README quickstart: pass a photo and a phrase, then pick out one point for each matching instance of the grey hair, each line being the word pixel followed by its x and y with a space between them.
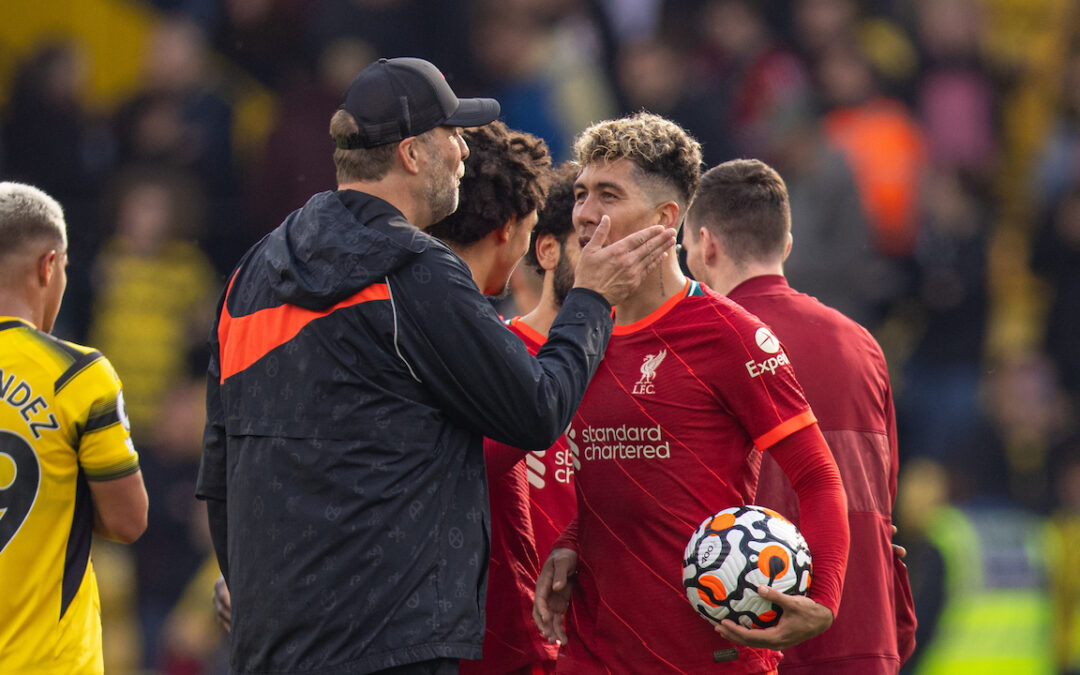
pixel 27 214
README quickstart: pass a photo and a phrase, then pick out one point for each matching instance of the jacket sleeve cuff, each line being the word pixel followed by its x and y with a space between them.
pixel 588 292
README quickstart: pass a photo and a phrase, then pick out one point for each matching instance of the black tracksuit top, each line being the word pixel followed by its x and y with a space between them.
pixel 355 369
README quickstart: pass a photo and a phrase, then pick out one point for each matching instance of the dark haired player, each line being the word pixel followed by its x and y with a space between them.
pixel 505 184
pixel 553 254
pixel 532 497
pixel 738 234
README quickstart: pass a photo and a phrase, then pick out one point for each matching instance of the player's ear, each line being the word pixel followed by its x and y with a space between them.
pixel 787 246
pixel 668 214
pixel 46 267
pixel 710 245
pixel 502 233
pixel 548 251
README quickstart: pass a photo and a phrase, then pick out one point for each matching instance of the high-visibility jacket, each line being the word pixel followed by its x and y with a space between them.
pixel 1066 590
pixel 997 612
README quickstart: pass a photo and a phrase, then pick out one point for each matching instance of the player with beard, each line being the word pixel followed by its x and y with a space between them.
pixel 505 183
pixel 506 175
pixel 691 390
pixel 553 254
pixel 351 383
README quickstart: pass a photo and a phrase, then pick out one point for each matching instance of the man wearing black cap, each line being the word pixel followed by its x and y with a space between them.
pixel 355 369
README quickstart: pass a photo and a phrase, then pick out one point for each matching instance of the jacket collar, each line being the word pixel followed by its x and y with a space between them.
pixel 374 210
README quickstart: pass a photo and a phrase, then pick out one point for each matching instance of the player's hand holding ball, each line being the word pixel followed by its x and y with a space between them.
pixel 803 619
pixel 747 570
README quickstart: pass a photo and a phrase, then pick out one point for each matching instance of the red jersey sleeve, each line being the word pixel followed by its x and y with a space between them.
pixel 500 458
pixel 569 536
pixel 805 458
pixel 757 384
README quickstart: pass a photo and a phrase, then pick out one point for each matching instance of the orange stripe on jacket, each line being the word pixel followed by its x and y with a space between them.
pixel 246 339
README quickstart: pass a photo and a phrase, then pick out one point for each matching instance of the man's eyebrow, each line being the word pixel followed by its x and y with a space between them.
pixel 602 185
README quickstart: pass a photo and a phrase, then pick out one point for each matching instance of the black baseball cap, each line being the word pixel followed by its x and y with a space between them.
pixel 393 99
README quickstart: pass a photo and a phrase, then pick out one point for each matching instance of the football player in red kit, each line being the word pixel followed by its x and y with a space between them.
pixel 738 234
pixel 691 390
pixel 552 256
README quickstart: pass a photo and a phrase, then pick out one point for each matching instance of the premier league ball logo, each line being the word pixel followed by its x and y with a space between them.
pixel 736 550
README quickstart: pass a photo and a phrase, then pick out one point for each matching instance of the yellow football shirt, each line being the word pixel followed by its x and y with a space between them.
pixel 62 423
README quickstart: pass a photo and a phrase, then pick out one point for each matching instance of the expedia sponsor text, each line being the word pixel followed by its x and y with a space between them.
pixel 769 365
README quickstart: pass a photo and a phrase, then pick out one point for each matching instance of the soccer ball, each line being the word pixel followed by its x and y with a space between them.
pixel 736 550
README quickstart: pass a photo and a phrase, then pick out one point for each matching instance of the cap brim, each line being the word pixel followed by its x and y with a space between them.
pixel 474 112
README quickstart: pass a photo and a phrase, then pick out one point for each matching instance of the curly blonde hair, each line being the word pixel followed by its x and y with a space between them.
pixel 662 150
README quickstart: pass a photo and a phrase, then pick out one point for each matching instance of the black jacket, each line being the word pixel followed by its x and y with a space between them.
pixel 355 369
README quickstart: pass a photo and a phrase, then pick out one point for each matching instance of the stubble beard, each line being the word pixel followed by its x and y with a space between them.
pixel 563 277
pixel 441 194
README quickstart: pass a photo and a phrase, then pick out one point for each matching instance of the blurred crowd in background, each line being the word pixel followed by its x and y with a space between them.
pixel 931 149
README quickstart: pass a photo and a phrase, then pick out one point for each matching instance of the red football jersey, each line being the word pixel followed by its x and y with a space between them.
pixel 550 472
pixel 511 639
pixel 532 500
pixel 669 432
pixel 874 629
